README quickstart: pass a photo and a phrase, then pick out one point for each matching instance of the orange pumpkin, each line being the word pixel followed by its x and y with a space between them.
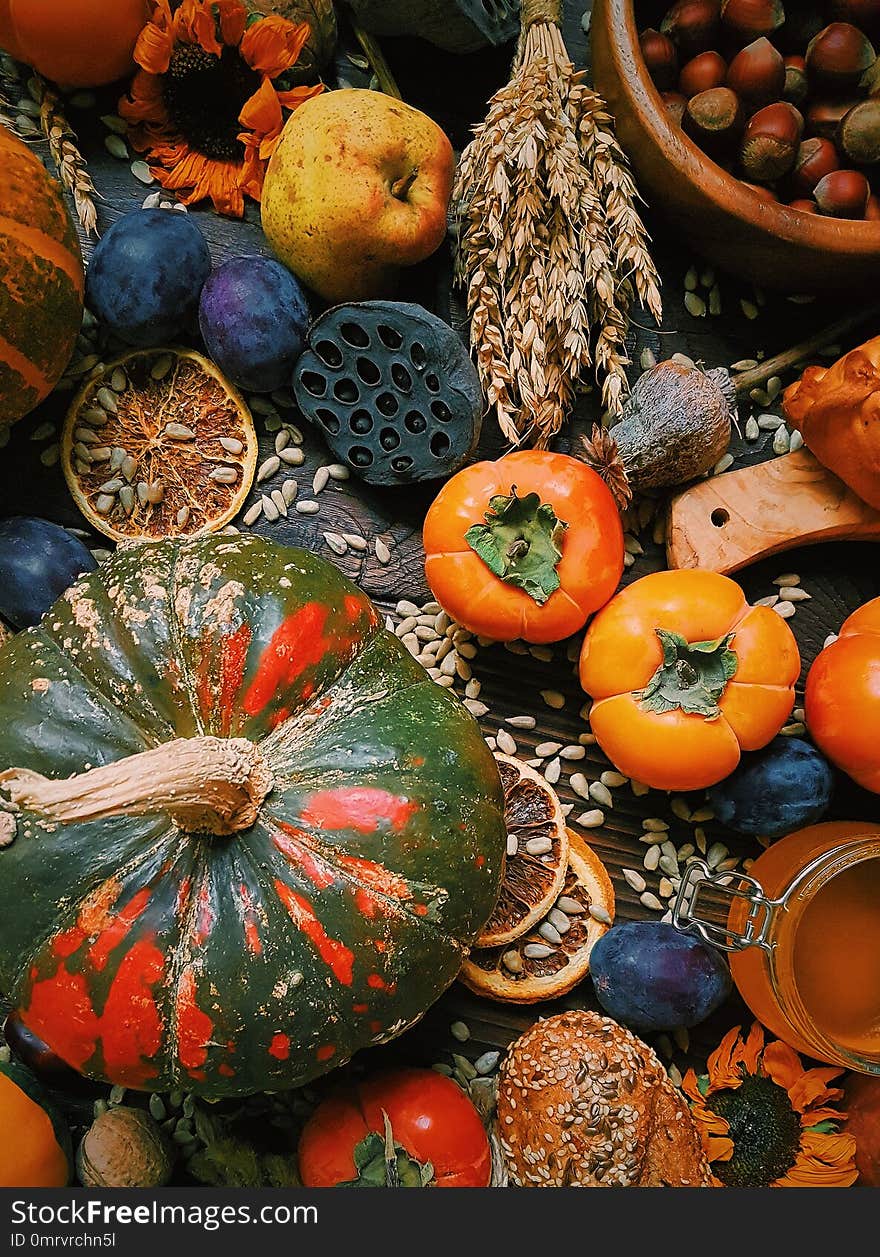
pixel 77 43
pixel 526 547
pixel 35 1148
pixel 685 675
pixel 41 280
pixel 843 698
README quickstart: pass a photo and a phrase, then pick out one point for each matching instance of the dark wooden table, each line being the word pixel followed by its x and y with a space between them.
pixel 838 577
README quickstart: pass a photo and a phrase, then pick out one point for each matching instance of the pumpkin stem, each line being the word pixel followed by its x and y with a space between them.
pixel 207 785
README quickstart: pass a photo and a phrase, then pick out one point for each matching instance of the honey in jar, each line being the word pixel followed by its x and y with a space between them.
pixel 803 931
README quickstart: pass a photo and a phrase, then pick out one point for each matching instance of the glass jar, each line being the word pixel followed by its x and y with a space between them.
pixel 803 931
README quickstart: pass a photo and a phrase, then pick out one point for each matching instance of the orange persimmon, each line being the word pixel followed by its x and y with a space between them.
pixel 525 547
pixel 843 698
pixel 77 43
pixel 685 676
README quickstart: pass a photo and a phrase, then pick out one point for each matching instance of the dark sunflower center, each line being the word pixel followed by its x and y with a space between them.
pixel 765 1130
pixel 204 95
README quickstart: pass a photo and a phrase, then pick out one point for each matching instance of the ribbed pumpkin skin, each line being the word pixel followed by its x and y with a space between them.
pixel 155 959
pixel 41 281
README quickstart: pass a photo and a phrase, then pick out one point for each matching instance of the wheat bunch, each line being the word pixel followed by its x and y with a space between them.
pixel 551 248
pixel 69 161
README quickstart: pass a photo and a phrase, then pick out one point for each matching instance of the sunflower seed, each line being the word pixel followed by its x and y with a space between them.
pixel 796 441
pixel 289 490
pixel 117 147
pixel 669 865
pixel 695 305
pixel 127 498
pixel 100 453
pixel 649 900
pixel 82 452
pixel 460 1031
pixel 781 441
pixel 270 510
pixel 537 951
pixel 354 541
pixel 50 455
pixel 224 475
pixel 86 436
pixel 785 609
pixel 559 920
pixel 512 844
pixel 612 779
pixel 550 933
pixel 722 465
pixel 119 381
pixel 579 785
pixel 383 554
pixel 793 593
pixel 142 492
pixel 307 507
pixel 521 722
pixel 749 309
pixel 512 961
pixel 282 440
pixel 680 808
pixel 320 480
pixel 600 914
pixel 253 513
pixel 104 503
pixel 161 367
pixel 745 364
pixel 183 516
pixel 292 457
pixel 107 400
pixel 601 794
pixel 652 858
pixel 94 417
pixel 505 742
pixel 592 819
pixel 268 468
pixel 278 498
pixel 338 471
pixel 335 542
pixel 231 444
pixel 553 699
pixel 691 280
pixel 571 907
pixel 486 1063
pixel 752 431
pixel 539 846
pixel 635 880
pixel 553 771
pixel 716 853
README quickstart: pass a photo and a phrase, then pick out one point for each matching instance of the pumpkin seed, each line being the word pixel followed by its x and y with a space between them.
pixel 100 453
pixel 669 865
pixel 253 513
pixel 695 305
pixel 796 441
pixel 486 1063
pixel 781 441
pixel 537 951
pixel 95 417
pixel 86 436
pixel 158 1110
pixel 716 853
pixel 142 172
pixel 117 147
pixel 82 452
pixel 441 1068
pixel 655 825
pixel 307 507
pixel 129 468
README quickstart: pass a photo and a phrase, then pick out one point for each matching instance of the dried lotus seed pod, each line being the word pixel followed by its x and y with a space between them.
pixel 393 391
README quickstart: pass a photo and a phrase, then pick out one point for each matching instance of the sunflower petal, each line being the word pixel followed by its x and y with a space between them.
pixel 145 103
pixel 811 1089
pixel 299 95
pixel 752 1049
pixel 783 1065
pixel 154 47
pixel 823 1161
pixel 233 20
pixel 261 114
pixel 723 1074
pixel 273 45
pixel 194 22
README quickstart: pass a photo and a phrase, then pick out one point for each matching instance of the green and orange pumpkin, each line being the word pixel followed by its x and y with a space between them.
pixel 41 280
pixel 35 1150
pixel 279 837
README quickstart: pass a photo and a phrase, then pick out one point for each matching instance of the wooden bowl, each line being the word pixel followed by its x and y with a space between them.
pixel 719 216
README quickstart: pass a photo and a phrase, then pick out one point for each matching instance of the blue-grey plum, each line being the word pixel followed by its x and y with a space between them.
pixel 773 792
pixel 38 561
pixel 650 977
pixel 254 318
pixel 146 276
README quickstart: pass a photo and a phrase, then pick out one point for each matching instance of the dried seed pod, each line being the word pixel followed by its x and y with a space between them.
pixel 392 389
pixel 838 57
pixel 757 74
pixel 675 426
pixel 702 73
pixel 714 119
pixel 858 136
pixel 771 141
pixel 660 57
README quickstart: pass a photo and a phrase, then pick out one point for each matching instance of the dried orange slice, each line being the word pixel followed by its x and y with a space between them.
pixel 159 444
pixel 537 853
pixel 552 959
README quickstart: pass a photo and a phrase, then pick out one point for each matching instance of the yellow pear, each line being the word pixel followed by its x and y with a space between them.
pixel 358 187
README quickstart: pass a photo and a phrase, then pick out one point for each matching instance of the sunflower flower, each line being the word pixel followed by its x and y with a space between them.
pixel 768 1122
pixel 208 104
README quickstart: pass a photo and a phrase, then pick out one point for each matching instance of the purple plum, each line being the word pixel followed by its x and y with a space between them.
pixel 38 562
pixel 254 318
pixel 650 977
pixel 146 275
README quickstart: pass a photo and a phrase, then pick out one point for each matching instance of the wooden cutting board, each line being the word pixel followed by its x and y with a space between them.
pixel 730 521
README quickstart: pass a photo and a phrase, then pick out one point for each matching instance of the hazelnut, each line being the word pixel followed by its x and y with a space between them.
pixel 746 20
pixel 675 104
pixel 805 205
pixel 796 85
pixel 702 73
pixel 837 58
pixel 823 117
pixel 872 209
pixel 714 119
pixel 770 145
pixel 843 194
pixel 858 136
pixel 660 58
pixel 757 74
pixel 862 13
pixel 693 25
pixel 815 159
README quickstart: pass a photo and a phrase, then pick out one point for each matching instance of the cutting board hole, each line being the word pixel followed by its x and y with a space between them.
pixel 720 517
